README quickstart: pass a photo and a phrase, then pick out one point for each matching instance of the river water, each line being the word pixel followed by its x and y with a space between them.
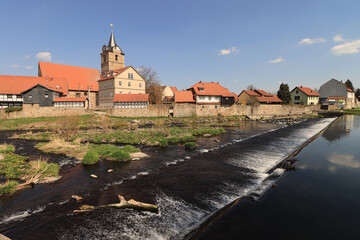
pixel 319 200
pixel 190 187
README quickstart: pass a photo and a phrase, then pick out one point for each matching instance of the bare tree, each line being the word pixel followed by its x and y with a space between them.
pixel 251 87
pixel 152 84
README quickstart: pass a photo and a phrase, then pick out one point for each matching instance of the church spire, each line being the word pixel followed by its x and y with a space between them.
pixel 112 42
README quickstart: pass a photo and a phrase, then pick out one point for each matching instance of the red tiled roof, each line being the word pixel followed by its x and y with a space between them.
pixel 336 98
pixel 174 89
pixel 263 93
pixel 348 89
pixel 131 98
pixel 113 73
pixel 211 89
pixel 74 99
pixel 272 99
pixel 79 78
pixel 19 84
pixel 235 97
pixel 184 97
pixel 251 93
pixel 308 91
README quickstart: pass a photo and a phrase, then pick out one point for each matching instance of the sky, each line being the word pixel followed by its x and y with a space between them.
pixel 236 43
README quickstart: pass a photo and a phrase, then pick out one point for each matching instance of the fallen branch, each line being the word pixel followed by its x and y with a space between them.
pixel 122 204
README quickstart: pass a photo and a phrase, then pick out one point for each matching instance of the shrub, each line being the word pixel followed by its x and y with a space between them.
pixel 7 148
pixel 130 149
pixel 163 143
pixel 190 145
pixel 120 155
pixel 13 109
pixel 8 187
pixel 91 157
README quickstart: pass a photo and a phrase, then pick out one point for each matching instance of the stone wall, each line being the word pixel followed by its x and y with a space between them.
pixel 150 111
pixel 165 110
pixel 191 110
pixel 33 110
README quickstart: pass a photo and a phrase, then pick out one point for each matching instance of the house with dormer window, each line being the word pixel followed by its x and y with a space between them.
pixel 211 93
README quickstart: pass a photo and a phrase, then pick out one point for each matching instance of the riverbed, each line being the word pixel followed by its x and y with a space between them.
pixel 190 187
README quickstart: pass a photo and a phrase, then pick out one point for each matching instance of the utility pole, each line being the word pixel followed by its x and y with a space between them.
pixel 89 95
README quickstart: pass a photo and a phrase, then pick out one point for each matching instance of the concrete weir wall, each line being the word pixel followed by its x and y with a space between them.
pixel 33 110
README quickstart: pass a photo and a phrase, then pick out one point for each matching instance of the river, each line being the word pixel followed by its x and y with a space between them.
pixel 190 187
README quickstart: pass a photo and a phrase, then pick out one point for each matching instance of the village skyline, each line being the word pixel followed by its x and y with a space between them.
pixel 293 44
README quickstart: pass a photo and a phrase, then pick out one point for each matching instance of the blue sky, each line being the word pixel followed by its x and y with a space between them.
pixel 236 43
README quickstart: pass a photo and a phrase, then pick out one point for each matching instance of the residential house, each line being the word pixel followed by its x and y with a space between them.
pixel 336 92
pixel 305 96
pixel 115 77
pixel 67 102
pixel 82 82
pixel 131 101
pixel 13 87
pixel 39 94
pixel 211 93
pixel 168 93
pixel 184 97
pixel 251 97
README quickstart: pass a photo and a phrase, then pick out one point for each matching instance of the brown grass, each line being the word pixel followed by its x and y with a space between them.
pixel 59 146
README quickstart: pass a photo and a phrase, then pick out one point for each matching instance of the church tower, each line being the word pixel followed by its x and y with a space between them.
pixel 112 57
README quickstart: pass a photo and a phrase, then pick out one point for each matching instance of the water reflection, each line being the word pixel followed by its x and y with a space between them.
pixel 340 128
pixel 345 160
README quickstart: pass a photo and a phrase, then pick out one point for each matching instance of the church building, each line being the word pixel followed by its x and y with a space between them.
pixel 116 78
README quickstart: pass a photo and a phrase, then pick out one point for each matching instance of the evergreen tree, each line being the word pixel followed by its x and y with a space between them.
pixel 349 84
pixel 284 93
pixel 357 92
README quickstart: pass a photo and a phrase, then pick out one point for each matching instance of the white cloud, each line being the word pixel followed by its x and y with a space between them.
pixel 339 38
pixel 26 57
pixel 45 56
pixel 236 81
pixel 228 51
pixel 29 67
pixel 311 41
pixel 139 69
pixel 346 48
pixel 278 60
pixel 14 66
pixel 345 160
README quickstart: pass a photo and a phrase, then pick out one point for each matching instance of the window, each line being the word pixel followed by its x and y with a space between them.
pixel 201 89
pixel 297 98
pixel 30 97
pixel 77 95
pixel 297 91
pixel 129 84
pixel 18 96
pixel 129 92
pixel 120 84
pixel 9 96
pixel 209 98
pixel 130 76
pixel 139 85
pixel 104 58
pixel 46 95
pixel 116 57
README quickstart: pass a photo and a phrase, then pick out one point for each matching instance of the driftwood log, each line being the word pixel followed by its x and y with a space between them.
pixel 122 204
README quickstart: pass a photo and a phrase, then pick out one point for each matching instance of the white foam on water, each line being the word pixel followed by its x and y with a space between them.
pixel 174 217
pixel 19 216
pixel 262 160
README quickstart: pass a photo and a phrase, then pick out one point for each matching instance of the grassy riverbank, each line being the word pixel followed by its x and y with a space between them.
pixel 19 172
pixel 355 111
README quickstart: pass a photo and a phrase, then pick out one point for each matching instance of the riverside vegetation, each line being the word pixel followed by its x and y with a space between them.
pixel 20 173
